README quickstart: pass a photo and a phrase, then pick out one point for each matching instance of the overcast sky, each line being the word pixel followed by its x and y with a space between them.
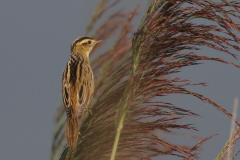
pixel 35 38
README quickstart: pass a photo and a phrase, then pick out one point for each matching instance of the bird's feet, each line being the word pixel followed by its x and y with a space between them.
pixel 90 111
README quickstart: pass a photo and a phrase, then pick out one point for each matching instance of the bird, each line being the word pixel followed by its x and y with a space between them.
pixel 77 86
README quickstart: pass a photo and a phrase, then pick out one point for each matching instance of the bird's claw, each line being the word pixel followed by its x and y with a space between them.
pixel 90 111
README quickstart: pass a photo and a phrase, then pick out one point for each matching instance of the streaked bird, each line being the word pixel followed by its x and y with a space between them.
pixel 77 86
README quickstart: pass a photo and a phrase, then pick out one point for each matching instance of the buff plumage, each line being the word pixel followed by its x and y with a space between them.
pixel 77 86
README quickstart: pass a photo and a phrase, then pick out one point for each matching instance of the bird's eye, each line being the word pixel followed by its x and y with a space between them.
pixel 89 42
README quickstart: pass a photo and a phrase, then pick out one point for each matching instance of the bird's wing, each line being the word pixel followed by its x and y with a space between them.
pixel 78 86
pixel 66 94
pixel 69 90
pixel 84 87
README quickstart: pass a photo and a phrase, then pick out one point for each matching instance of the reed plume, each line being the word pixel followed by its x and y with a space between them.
pixel 138 68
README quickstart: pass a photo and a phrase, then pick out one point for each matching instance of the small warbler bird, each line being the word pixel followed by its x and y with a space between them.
pixel 77 86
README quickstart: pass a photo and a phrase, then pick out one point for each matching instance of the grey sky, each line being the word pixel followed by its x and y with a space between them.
pixel 35 46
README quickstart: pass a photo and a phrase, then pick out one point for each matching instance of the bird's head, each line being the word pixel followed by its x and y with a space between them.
pixel 83 45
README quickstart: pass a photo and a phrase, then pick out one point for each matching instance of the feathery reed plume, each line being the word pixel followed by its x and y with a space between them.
pixel 129 75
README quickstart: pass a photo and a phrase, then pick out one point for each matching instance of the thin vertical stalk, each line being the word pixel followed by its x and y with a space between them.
pixel 114 150
pixel 123 115
pixel 235 106
pixel 125 97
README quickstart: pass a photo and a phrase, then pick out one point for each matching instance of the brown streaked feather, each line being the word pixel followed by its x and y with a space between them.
pixel 71 133
pixel 77 89
pixel 77 86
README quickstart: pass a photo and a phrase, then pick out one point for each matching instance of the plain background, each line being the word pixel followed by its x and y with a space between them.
pixel 35 38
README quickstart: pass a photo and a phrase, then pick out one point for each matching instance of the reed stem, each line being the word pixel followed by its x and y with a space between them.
pixel 114 150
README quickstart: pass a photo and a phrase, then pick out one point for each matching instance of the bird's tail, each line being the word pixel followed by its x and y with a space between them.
pixel 71 132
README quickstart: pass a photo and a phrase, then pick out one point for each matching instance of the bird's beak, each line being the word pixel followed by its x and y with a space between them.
pixel 98 41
